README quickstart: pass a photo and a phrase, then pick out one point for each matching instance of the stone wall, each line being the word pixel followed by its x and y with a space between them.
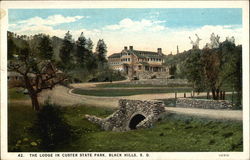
pixel 144 75
pixel 126 117
pixel 160 81
pixel 203 103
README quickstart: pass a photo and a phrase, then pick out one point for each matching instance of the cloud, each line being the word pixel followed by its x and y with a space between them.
pixel 49 30
pixel 133 26
pixel 168 38
pixel 36 25
pixel 49 21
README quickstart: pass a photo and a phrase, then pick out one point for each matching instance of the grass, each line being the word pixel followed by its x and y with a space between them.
pixel 127 92
pixel 17 94
pixel 175 133
pixel 130 85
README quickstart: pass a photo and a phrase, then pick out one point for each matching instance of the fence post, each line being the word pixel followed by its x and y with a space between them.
pixel 233 98
pixel 207 94
pixel 224 95
pixel 185 95
pixel 175 95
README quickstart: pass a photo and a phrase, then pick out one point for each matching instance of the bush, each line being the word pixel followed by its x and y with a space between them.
pixel 51 127
pixel 108 76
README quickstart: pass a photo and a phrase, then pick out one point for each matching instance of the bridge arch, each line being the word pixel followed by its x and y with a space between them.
pixel 135 120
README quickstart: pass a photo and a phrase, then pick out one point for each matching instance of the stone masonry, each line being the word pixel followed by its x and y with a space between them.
pixel 203 103
pixel 132 114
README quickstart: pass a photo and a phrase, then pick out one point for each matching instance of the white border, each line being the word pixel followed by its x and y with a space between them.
pixel 130 4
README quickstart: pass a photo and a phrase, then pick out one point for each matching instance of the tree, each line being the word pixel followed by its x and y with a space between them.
pixel 89 45
pixel 215 69
pixel 38 74
pixel 194 69
pixel 82 52
pixel 45 48
pixel 11 47
pixel 101 51
pixel 65 51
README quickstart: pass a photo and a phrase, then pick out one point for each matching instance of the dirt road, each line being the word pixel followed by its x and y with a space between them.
pixel 64 96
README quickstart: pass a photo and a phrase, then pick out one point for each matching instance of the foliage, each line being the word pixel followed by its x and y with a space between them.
pixel 66 51
pixel 101 51
pixel 215 69
pixel 45 48
pixel 51 128
pixel 108 75
pixel 193 69
pixel 33 61
pixel 82 53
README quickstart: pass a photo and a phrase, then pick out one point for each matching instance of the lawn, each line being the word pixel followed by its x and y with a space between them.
pixel 175 133
pixel 130 85
pixel 17 94
pixel 128 92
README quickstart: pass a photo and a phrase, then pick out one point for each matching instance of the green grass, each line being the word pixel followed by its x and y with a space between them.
pixel 130 85
pixel 175 133
pixel 127 92
pixel 17 94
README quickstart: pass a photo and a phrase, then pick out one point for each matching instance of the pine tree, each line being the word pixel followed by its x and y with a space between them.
pixel 90 45
pixel 81 50
pixel 65 51
pixel 101 51
pixel 45 48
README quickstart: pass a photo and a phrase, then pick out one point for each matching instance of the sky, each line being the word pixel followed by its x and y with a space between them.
pixel 142 28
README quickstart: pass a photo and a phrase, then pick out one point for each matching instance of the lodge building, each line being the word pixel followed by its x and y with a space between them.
pixel 140 64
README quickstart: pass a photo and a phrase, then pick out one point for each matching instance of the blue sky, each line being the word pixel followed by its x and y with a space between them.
pixel 141 24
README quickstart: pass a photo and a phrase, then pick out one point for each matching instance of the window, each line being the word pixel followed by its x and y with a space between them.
pixel 139 67
pixel 128 59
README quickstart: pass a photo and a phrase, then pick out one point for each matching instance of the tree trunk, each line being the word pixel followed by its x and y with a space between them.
pixel 208 96
pixel 214 94
pixel 217 94
pixel 35 103
pixel 32 93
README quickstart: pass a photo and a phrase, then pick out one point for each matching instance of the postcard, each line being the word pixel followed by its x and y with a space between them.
pixel 125 80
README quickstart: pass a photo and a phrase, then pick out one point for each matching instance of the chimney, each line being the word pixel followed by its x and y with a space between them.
pixel 130 47
pixel 159 51
pixel 125 48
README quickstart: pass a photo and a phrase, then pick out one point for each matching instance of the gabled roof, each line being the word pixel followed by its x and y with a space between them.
pixel 145 54
pixel 115 55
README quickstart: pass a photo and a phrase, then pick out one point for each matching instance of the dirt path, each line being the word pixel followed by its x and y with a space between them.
pixel 64 97
pixel 209 113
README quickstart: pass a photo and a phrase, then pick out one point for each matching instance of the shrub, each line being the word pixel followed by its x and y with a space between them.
pixel 108 76
pixel 51 127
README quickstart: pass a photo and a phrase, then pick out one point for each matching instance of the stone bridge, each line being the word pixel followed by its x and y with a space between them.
pixel 132 114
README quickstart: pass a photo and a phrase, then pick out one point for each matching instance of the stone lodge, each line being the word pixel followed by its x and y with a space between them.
pixel 139 64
